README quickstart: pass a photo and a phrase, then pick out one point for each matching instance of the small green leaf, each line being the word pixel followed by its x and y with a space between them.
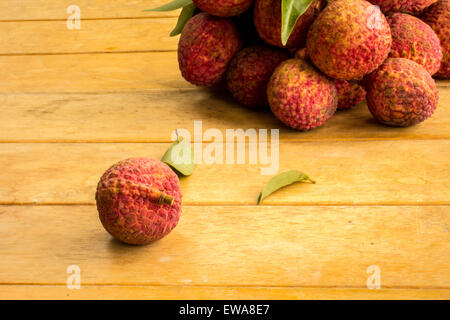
pixel 282 180
pixel 291 11
pixel 180 156
pixel 174 5
pixel 184 17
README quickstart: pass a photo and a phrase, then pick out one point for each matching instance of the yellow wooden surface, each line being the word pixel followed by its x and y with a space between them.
pixel 206 293
pixel 306 246
pixel 363 172
pixel 13 10
pixel 72 102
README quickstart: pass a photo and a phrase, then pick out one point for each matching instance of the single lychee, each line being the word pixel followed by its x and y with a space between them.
pixel 139 200
pixel 438 18
pixel 401 93
pixel 250 71
pixel 349 39
pixel 223 8
pixel 415 40
pixel 350 94
pixel 300 96
pixel 206 46
pixel 267 15
pixel 409 6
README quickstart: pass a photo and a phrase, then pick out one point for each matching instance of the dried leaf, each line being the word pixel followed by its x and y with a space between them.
pixel 282 180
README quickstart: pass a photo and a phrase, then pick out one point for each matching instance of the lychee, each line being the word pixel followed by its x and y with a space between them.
pixel 301 53
pixel 139 200
pixel 250 71
pixel 267 15
pixel 206 46
pixel 350 94
pixel 223 8
pixel 300 96
pixel 415 40
pixel 410 6
pixel 401 93
pixel 349 39
pixel 437 16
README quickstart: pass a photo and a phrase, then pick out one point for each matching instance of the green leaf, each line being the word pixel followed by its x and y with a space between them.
pixel 291 10
pixel 282 180
pixel 180 156
pixel 184 17
pixel 174 5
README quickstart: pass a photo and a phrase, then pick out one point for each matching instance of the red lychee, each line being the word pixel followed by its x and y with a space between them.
pixel 223 8
pixel 401 93
pixel 437 17
pixel 350 94
pixel 349 39
pixel 410 6
pixel 207 45
pixel 250 71
pixel 267 15
pixel 300 96
pixel 139 200
pixel 415 40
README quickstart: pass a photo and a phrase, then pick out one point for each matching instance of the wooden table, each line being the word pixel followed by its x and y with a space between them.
pixel 73 102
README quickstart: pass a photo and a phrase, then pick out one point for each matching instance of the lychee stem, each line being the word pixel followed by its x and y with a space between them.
pixel 163 198
pixel 154 195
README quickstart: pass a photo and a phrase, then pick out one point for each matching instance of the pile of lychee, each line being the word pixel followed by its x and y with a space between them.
pixel 340 53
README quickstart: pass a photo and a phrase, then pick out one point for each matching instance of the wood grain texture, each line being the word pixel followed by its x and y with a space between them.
pixel 107 72
pixel 153 116
pixel 74 102
pixel 50 37
pixel 374 172
pixel 234 246
pixel 91 72
pixel 35 292
pixel 12 10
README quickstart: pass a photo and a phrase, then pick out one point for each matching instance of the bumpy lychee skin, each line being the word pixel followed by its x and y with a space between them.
pixel 301 54
pixel 267 15
pixel 349 39
pixel 438 18
pixel 410 6
pixel 349 94
pixel 300 96
pixel 415 40
pixel 401 93
pixel 139 200
pixel 223 8
pixel 250 71
pixel 207 45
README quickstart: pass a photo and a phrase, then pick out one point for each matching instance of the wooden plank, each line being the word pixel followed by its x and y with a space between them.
pixel 152 116
pixel 36 292
pixel 50 37
pixel 375 172
pixel 12 10
pixel 106 72
pixel 234 246
pixel 443 83
pixel 90 72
